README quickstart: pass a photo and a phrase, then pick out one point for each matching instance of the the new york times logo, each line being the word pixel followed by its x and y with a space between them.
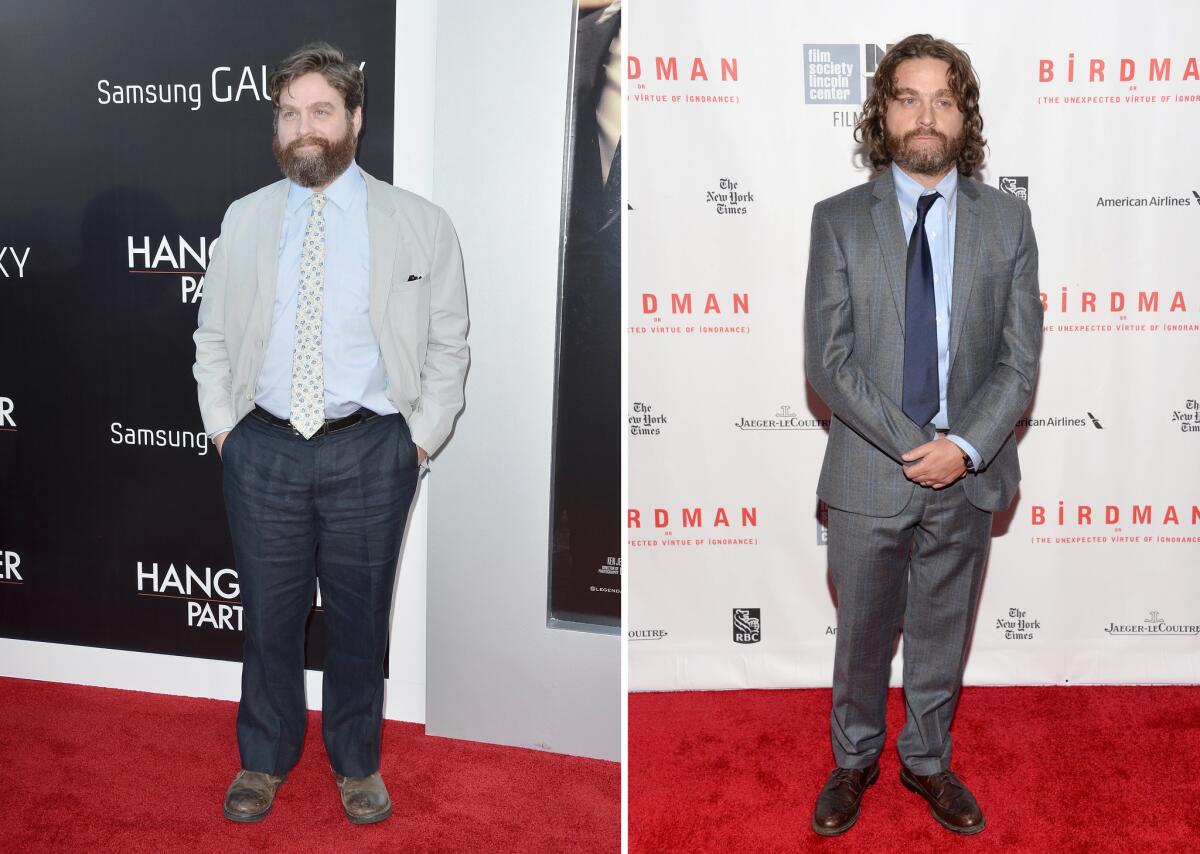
pixel 1153 625
pixel 784 419
pixel 1187 419
pixel 747 625
pixel 645 421
pixel 1018 625
pixel 1015 186
pixel 727 198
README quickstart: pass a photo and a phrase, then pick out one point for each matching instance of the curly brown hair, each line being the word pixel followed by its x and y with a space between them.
pixel 345 77
pixel 871 131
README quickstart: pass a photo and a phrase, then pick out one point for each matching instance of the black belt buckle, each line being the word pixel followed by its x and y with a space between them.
pixel 332 425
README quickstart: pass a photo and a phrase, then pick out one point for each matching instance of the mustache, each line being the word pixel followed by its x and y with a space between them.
pixel 293 146
pixel 921 134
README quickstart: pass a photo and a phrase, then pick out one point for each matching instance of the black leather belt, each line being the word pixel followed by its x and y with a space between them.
pixel 330 426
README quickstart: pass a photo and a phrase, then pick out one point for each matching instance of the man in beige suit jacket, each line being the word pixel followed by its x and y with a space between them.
pixel 330 362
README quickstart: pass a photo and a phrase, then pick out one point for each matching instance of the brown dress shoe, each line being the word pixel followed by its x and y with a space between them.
pixel 364 799
pixel 951 803
pixel 837 805
pixel 251 795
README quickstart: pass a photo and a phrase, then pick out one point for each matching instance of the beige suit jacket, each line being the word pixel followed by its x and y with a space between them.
pixel 418 308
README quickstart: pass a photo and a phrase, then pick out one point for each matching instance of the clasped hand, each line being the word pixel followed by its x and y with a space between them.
pixel 935 464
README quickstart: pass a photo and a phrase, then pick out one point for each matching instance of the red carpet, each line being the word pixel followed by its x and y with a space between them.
pixel 1074 769
pixel 100 770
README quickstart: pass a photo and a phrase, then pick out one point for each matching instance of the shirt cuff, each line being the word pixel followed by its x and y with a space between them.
pixel 968 449
pixel 212 437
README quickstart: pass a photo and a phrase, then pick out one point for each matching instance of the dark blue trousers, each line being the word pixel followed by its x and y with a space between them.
pixel 332 507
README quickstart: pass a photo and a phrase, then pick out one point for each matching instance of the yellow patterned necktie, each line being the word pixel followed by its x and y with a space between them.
pixel 308 373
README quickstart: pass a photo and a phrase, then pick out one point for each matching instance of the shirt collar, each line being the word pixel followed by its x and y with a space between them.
pixel 342 192
pixel 908 190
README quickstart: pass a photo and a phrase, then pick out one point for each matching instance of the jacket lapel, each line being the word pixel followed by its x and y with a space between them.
pixel 966 255
pixel 885 211
pixel 383 234
pixel 267 240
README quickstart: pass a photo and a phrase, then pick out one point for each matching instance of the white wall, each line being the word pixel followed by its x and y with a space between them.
pixel 495 672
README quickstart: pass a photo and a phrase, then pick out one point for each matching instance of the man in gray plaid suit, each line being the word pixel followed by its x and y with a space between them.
pixel 923 328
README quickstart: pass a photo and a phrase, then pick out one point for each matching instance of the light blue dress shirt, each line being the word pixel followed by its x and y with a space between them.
pixel 939 229
pixel 354 373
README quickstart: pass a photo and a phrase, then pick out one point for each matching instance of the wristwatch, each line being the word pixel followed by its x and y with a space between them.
pixel 968 462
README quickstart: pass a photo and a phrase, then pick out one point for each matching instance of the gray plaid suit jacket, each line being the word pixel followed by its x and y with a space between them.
pixel 854 342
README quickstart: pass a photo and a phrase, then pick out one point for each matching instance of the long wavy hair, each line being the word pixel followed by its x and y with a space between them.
pixel 871 131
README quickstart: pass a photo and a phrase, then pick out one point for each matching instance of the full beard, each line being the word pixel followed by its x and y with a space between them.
pixel 320 168
pixel 919 158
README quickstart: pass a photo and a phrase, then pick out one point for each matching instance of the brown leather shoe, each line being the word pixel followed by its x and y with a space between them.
pixel 951 802
pixel 365 799
pixel 251 795
pixel 837 805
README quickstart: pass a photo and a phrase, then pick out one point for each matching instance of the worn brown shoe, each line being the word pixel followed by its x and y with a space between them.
pixel 951 802
pixel 837 805
pixel 251 795
pixel 364 799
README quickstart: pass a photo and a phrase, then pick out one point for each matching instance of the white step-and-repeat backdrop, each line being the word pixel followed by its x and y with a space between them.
pixel 740 119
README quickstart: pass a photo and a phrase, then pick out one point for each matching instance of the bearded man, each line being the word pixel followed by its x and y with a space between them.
pixel 330 361
pixel 923 330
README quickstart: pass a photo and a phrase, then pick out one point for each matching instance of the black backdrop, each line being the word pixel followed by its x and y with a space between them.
pixel 99 526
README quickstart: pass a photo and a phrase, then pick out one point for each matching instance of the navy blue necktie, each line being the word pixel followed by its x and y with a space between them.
pixel 922 398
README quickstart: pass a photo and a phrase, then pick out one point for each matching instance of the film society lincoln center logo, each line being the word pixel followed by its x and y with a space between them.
pixel 832 74
pixel 747 625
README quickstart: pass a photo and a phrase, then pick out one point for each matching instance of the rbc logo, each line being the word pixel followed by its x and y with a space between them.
pixel 747 625
pixel 1016 186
